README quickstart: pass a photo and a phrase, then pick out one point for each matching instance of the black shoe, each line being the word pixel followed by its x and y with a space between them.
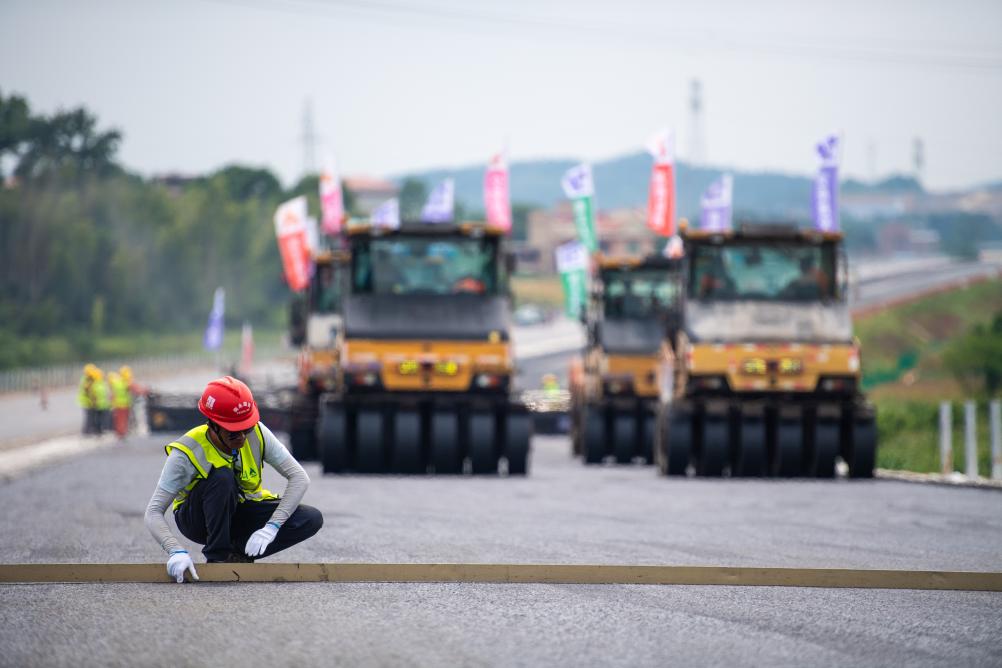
pixel 233 558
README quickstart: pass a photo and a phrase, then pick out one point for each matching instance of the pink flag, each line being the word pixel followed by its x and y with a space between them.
pixel 331 201
pixel 290 229
pixel 497 202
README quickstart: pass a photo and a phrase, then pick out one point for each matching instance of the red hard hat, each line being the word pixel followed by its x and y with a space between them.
pixel 229 403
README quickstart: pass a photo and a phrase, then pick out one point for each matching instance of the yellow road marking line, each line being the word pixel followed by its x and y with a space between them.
pixel 515 573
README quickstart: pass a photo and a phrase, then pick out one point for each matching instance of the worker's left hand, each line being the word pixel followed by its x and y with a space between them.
pixel 261 539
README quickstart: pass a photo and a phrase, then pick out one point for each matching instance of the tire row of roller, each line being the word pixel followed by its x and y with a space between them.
pixel 421 439
pixel 759 440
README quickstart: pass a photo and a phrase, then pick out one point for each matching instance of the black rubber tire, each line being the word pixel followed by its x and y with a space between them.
pixel 303 442
pixel 788 457
pixel 595 443
pixel 518 436
pixel 332 439
pixel 826 446
pixel 406 454
pixel 647 427
pixel 863 448
pixel 676 439
pixel 624 437
pixel 445 443
pixel 750 458
pixel 370 453
pixel 714 453
pixel 483 455
pixel 577 430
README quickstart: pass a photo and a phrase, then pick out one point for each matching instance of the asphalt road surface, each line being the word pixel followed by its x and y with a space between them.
pixel 89 509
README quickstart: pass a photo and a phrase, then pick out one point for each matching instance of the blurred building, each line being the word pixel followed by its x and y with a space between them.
pixel 369 192
pixel 620 232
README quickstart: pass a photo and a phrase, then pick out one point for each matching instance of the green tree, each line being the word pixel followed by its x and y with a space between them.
pixel 975 359
pixel 15 127
pixel 413 194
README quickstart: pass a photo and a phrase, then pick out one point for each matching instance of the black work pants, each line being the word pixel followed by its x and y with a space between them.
pixel 212 517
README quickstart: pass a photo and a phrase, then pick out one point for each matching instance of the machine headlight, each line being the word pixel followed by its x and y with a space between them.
pixel 755 366
pixel 789 366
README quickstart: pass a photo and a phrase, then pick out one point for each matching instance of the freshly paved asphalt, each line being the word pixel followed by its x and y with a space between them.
pixel 89 509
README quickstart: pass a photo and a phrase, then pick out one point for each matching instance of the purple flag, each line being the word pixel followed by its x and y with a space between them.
pixel 387 214
pixel 825 195
pixel 440 204
pixel 214 330
pixel 715 205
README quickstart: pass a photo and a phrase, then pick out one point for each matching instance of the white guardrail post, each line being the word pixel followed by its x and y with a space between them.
pixel 970 439
pixel 995 420
pixel 945 438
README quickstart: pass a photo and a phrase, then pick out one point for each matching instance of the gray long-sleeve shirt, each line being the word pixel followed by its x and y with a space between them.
pixel 178 472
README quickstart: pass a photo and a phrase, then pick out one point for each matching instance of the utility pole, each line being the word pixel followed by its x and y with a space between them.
pixel 918 158
pixel 697 147
pixel 309 139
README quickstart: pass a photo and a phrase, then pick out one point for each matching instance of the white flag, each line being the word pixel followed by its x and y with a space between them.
pixel 571 256
pixel 577 182
pixel 662 147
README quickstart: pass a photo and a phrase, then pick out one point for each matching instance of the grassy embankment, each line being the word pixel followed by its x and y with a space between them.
pixel 904 375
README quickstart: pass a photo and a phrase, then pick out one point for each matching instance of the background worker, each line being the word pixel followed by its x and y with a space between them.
pixel 212 478
pixel 121 401
pixel 135 390
pixel 102 401
pixel 85 399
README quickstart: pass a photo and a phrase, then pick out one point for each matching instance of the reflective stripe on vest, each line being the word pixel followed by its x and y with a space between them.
pixel 204 457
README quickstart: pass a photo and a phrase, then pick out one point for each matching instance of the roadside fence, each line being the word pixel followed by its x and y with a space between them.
pixel 970 438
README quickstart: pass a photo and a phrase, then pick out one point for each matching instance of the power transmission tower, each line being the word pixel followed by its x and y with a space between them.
pixel 697 146
pixel 309 139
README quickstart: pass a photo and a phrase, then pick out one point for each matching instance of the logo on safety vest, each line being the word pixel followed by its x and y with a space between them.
pixel 210 402
pixel 242 407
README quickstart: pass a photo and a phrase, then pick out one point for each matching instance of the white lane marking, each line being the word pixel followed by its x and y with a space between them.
pixel 20 460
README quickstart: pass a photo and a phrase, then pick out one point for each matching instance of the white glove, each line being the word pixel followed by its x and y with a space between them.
pixel 178 563
pixel 261 539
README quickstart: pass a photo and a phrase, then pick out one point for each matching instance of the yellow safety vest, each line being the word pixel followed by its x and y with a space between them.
pixel 204 457
pixel 84 393
pixel 120 395
pixel 102 401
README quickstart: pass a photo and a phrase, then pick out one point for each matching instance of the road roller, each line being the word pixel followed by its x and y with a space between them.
pixel 632 315
pixel 764 377
pixel 423 379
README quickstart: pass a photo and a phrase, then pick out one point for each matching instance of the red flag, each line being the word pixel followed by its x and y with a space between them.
pixel 290 228
pixel 661 200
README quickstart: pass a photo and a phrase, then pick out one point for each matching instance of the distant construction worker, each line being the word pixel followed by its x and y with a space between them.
pixel 213 477
pixel 135 390
pixel 551 385
pixel 85 399
pixel 121 401
pixel 102 401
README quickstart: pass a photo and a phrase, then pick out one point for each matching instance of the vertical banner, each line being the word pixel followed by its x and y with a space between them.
pixel 293 244
pixel 331 199
pixel 661 195
pixel 213 338
pixel 715 205
pixel 497 200
pixel 441 203
pixel 825 195
pixel 246 349
pixel 579 188
pixel 572 264
pixel 387 215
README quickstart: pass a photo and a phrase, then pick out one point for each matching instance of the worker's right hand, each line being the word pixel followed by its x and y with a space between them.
pixel 180 562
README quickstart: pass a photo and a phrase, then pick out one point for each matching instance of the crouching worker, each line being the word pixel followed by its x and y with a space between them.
pixel 212 477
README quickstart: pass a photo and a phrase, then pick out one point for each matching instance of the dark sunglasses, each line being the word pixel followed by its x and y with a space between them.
pixel 227 434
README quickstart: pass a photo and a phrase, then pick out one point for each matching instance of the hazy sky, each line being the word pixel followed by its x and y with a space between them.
pixel 406 84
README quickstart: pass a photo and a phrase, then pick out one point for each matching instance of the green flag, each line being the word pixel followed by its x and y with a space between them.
pixel 572 263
